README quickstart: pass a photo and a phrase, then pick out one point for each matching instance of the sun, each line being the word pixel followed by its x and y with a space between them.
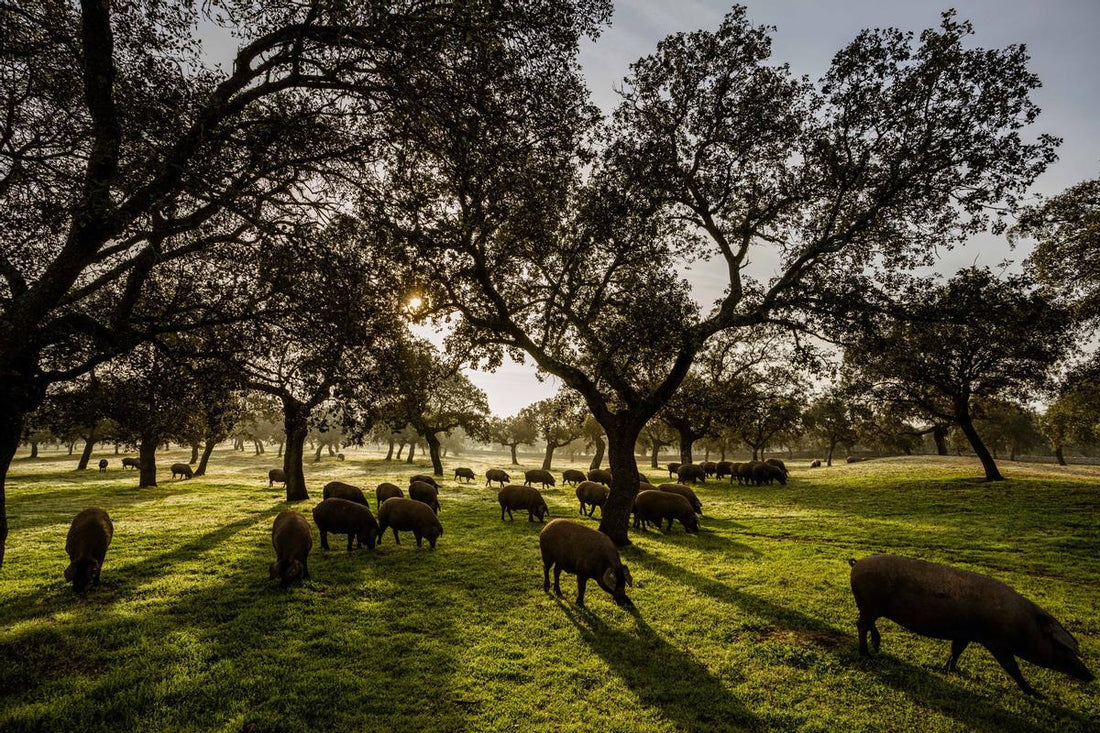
pixel 415 302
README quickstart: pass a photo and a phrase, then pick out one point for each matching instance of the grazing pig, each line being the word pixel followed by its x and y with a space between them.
pixel 572 476
pixel 131 463
pixel 89 537
pixel 182 469
pixel 723 469
pixel 538 476
pixel 408 515
pixel 946 603
pixel 591 494
pixel 600 476
pixel 387 491
pixel 292 540
pixel 586 553
pixel 424 478
pixel 815 463
pixel 653 507
pixel 735 472
pixel 687 493
pixel 340 456
pixel 276 475
pixel 710 468
pixel 673 469
pixel 692 472
pixel 340 490
pixel 744 471
pixel 496 475
pixel 778 464
pixel 466 473
pixel 341 516
pixel 765 473
pixel 425 493
pixel 514 496
pixel 102 464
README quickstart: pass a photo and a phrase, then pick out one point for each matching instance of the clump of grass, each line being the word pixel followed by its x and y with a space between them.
pixel 749 624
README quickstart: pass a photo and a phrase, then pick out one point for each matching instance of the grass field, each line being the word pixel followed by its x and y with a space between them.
pixel 748 625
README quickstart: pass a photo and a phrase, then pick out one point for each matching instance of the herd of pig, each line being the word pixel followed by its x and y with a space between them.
pixel 929 599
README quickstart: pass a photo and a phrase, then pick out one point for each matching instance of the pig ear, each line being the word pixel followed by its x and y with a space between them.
pixel 69 573
pixel 629 578
pixel 1058 632
pixel 609 578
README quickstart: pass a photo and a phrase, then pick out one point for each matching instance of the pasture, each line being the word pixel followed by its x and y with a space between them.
pixel 748 625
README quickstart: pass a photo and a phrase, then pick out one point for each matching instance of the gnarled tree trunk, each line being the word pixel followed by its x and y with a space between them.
pixel 1060 455
pixel 412 451
pixel 515 458
pixel 86 454
pixel 296 425
pixel 205 459
pixel 616 511
pixel 939 435
pixel 194 453
pixel 433 451
pixel 548 457
pixel 389 453
pixel 147 461
pixel 11 430
pixel 966 424
pixel 597 459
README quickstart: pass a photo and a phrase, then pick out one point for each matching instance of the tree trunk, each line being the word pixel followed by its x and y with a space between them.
pixel 116 449
pixel 597 459
pixel 282 444
pixel 939 434
pixel 194 453
pixel 656 452
pixel 723 456
pixel 412 451
pixel 317 453
pixel 206 451
pixel 829 458
pixel 71 444
pixel 962 415
pixel 147 461
pixel 515 458
pixel 400 450
pixel 389 454
pixel 1060 456
pixel 433 451
pixel 34 449
pixel 686 443
pixel 706 453
pixel 296 425
pixel 755 453
pixel 616 511
pixel 548 457
pixel 86 454
pixel 11 430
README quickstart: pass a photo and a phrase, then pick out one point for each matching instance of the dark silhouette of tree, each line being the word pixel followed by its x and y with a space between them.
pixel 975 336
pixel 593 435
pixel 329 329
pixel 558 421
pixel 513 432
pixel 656 435
pixel 831 420
pixel 1066 258
pixel 1071 418
pixel 434 397
pixel 535 244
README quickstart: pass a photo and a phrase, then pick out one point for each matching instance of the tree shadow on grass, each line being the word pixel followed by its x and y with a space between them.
pixel 925 687
pixel 120 579
pixel 706 540
pixel 661 675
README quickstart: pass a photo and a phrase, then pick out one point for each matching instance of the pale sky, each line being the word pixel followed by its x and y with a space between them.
pixel 1062 36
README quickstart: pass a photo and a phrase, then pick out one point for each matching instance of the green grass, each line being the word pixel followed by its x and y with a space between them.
pixel 749 624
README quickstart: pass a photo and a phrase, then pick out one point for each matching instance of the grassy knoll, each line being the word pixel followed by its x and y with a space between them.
pixel 749 625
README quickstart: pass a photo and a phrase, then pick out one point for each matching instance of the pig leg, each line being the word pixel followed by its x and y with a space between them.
pixel 324 540
pixel 1008 663
pixel 557 580
pixel 958 646
pixel 864 625
pixel 546 577
pixel 305 569
pixel 419 539
pixel 351 541
pixel 396 537
pixel 502 512
pixel 582 581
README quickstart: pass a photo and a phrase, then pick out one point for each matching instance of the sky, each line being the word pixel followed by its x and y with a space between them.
pixel 1062 36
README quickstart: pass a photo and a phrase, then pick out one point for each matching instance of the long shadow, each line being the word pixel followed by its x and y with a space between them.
pixel 926 688
pixel 118 579
pixel 706 540
pixel 661 675
pixel 31 511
